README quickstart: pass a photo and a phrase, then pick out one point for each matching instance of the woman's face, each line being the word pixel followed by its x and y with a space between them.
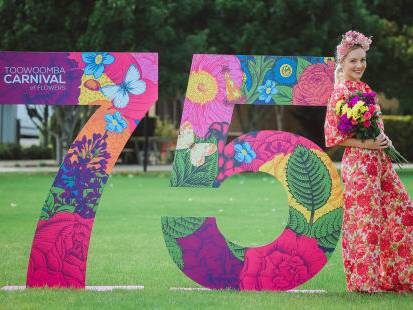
pixel 354 64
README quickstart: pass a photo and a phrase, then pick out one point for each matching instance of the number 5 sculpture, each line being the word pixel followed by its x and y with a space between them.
pixel 202 159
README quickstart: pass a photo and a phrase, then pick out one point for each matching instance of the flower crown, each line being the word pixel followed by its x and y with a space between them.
pixel 349 39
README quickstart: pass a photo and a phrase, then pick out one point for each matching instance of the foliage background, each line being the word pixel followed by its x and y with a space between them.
pixel 179 28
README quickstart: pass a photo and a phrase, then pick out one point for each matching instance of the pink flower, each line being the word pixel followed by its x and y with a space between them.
pixel 207 98
pixel 353 122
pixel 59 251
pixel 349 39
pixel 315 85
pixel 372 108
pixel 362 269
pixel 364 200
pixel 403 250
pixel 386 186
pixel 407 219
pixel 367 115
pixel 282 265
pixel 372 238
pixel 372 169
pixel 366 123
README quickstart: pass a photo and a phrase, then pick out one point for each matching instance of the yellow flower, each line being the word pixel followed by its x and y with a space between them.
pixel 359 109
pixel 350 113
pixel 339 104
pixel 344 109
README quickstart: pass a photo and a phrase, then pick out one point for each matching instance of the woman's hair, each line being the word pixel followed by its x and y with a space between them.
pixel 338 72
pixel 351 40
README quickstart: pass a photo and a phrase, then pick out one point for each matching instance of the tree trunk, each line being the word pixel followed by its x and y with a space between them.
pixel 279 111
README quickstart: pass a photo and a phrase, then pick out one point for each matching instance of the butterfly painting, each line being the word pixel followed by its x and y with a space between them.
pixel 199 151
pixel 119 93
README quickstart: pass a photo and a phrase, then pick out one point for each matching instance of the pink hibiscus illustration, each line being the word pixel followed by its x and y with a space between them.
pixel 314 85
pixel 282 265
pixel 59 251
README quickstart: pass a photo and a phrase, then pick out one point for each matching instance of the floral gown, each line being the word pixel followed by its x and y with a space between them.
pixel 378 212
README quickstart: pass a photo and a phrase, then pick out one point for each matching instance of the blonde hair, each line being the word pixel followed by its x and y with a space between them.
pixel 338 72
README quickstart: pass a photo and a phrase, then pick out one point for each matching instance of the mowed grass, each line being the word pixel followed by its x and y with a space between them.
pixel 127 246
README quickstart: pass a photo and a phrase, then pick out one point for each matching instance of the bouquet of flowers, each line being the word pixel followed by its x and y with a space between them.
pixel 358 115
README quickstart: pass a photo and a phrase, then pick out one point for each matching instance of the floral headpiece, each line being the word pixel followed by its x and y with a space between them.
pixel 349 39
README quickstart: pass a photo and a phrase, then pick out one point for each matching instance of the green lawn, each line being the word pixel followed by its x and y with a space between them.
pixel 127 245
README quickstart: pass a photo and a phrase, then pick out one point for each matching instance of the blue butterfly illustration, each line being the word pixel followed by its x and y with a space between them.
pixel 119 93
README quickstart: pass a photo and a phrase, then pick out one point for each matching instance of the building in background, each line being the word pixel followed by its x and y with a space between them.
pixel 8 124
pixel 16 126
pixel 28 133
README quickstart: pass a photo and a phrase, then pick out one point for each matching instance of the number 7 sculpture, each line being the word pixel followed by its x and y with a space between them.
pixel 124 86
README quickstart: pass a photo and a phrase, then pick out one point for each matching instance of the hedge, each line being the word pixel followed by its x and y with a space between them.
pixel 16 151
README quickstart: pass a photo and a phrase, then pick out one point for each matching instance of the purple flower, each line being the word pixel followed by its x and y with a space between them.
pixel 353 101
pixel 369 98
pixel 82 175
pixel 344 124
pixel 208 259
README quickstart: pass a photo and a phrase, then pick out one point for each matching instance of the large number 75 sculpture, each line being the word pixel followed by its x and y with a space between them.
pixel 124 85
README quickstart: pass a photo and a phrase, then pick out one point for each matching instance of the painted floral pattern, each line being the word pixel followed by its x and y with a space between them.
pixel 60 245
pixel 216 83
pixel 378 213
pixel 59 251
pixel 213 81
pixel 312 231
pixel 95 63
pixel 283 264
pixel 314 85
pixel 207 258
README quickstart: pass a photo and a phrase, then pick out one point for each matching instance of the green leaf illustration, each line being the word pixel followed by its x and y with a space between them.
pixel 308 179
pixel 301 65
pixel 66 208
pixel 48 207
pixel 175 251
pixel 177 227
pixel 327 228
pixel 284 95
pixel 257 68
pixel 186 175
pixel 237 250
pixel 297 222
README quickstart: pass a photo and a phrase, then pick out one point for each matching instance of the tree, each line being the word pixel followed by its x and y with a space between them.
pixel 39 116
pixel 177 29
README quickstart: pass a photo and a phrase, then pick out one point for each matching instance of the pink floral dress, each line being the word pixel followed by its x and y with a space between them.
pixel 378 212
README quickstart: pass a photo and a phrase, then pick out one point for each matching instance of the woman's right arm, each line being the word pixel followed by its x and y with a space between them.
pixel 381 142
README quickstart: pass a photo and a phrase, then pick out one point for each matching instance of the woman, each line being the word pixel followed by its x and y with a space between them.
pixel 378 212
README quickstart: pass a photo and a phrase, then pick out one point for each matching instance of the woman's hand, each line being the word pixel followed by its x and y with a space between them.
pixel 381 142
